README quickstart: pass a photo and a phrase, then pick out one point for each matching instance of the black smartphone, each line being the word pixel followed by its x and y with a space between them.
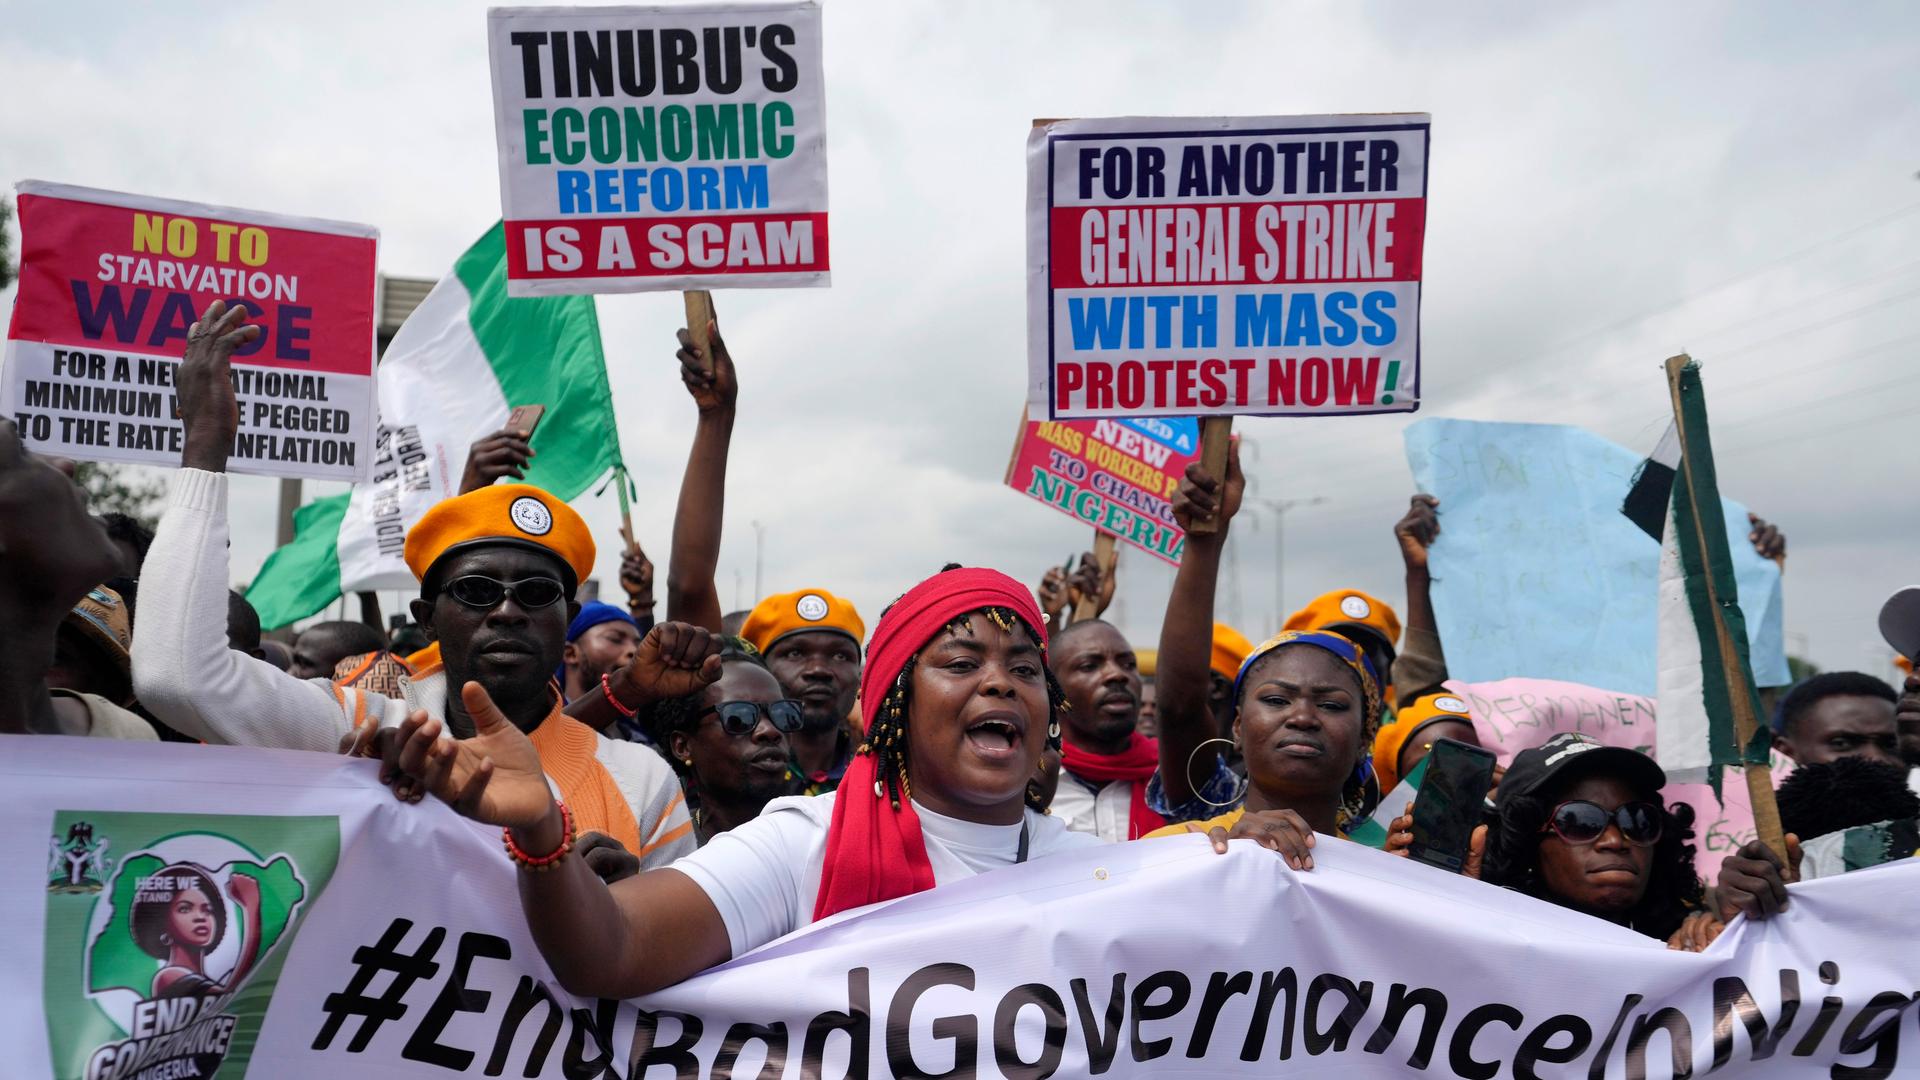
pixel 1451 803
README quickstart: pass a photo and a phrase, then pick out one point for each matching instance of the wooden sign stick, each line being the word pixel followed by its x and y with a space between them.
pixel 699 321
pixel 1105 554
pixel 1215 434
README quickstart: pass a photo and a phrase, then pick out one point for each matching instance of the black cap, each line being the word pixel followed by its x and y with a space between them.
pixel 1571 752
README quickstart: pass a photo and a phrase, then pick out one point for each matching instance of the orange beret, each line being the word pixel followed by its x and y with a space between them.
pixel 1347 607
pixel 1230 649
pixel 1147 660
pixel 518 515
pixel 797 612
pixel 1394 737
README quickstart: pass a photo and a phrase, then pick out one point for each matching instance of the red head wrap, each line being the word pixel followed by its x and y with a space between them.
pixel 875 852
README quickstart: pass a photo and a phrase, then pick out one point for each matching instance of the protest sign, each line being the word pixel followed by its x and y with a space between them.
pixel 646 148
pixel 1225 265
pixel 1512 715
pixel 1538 573
pixel 110 285
pixel 1116 475
pixel 392 942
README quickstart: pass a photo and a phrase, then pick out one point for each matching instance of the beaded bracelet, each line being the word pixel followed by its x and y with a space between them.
pixel 544 862
pixel 606 687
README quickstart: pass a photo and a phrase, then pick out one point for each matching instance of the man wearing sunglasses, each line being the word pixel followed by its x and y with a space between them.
pixel 498 568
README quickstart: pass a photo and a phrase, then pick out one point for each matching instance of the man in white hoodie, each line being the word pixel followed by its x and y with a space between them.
pixel 498 570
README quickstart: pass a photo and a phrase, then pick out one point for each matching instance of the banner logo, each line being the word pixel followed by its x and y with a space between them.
pixel 160 964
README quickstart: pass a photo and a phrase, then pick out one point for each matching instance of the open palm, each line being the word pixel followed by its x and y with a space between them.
pixel 494 777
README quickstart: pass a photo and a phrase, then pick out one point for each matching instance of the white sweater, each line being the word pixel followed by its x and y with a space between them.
pixel 185 673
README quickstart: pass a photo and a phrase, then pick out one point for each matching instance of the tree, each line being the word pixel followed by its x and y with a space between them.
pixel 122 489
pixel 7 272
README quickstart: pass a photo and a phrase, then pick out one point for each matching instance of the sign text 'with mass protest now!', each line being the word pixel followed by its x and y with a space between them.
pixel 1261 266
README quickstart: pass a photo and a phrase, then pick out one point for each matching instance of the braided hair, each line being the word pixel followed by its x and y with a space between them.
pixel 1674 888
pixel 887 739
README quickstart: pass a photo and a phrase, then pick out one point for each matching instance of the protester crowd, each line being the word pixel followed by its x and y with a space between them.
pixel 678 792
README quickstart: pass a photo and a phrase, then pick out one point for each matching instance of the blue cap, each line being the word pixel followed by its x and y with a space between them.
pixel 592 614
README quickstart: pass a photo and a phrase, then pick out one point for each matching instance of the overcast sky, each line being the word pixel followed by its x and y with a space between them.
pixel 1610 184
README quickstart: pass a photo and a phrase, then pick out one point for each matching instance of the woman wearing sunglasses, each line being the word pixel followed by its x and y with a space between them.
pixel 729 742
pixel 1582 825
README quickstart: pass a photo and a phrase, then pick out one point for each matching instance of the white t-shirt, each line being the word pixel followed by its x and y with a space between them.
pixel 764 876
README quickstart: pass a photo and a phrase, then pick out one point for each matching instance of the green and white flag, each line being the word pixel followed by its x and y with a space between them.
pixel 466 356
pixel 1705 676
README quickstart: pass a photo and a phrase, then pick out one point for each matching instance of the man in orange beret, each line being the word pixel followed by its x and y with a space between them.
pixel 1359 618
pixel 811 640
pixel 498 568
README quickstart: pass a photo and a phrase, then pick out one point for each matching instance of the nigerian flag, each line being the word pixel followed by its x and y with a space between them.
pixel 466 356
pixel 1705 677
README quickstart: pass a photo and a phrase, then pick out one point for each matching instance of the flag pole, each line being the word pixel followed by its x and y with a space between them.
pixel 1737 675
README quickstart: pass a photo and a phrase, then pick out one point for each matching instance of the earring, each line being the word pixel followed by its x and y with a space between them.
pixel 1237 795
pixel 166 938
pixel 687 761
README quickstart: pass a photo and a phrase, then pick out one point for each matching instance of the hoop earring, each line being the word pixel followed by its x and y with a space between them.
pixel 1238 796
pixel 166 939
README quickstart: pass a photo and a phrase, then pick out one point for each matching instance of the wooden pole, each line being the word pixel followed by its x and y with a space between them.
pixel 626 509
pixel 1105 554
pixel 1215 433
pixel 1746 723
pixel 699 319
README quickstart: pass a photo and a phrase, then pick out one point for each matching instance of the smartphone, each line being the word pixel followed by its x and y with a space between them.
pixel 524 418
pixel 1450 803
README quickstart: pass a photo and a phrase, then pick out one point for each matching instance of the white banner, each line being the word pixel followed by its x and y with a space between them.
pixel 384 940
pixel 669 147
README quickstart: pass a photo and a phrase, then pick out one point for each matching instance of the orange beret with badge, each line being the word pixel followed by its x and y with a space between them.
pixel 799 612
pixel 1348 607
pixel 509 515
pixel 1230 649
pixel 1393 738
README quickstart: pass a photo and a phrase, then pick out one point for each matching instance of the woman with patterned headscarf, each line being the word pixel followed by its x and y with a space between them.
pixel 1305 702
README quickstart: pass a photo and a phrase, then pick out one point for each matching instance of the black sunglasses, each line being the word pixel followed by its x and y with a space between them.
pixel 485 593
pixel 739 718
pixel 1581 822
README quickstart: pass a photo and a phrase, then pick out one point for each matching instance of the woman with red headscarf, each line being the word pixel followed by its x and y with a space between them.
pixel 958 705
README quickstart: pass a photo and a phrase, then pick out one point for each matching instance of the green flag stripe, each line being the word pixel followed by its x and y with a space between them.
pixel 1714 561
pixel 304 576
pixel 579 441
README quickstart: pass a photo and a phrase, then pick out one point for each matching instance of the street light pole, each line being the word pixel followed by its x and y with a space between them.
pixel 1278 508
pixel 759 558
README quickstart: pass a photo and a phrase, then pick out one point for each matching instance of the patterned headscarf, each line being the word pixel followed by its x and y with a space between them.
pixel 1362 791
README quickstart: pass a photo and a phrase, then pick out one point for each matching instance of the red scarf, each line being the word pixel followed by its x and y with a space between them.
pixel 1135 764
pixel 875 852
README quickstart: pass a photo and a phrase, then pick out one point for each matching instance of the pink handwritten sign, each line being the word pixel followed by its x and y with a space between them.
pixel 1512 715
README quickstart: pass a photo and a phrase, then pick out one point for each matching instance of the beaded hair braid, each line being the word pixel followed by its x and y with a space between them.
pixel 888 737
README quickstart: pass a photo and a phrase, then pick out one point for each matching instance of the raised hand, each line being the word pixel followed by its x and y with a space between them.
pixel 674 660
pixel 708 373
pixel 1088 581
pixel 1767 539
pixel 501 454
pixel 1053 593
pixel 1200 495
pixel 636 577
pixel 1417 530
pixel 245 892
pixel 204 381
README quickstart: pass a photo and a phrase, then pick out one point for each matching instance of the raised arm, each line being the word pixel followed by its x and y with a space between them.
pixel 1186 635
pixel 183 670
pixel 691 594
pixel 1421 667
